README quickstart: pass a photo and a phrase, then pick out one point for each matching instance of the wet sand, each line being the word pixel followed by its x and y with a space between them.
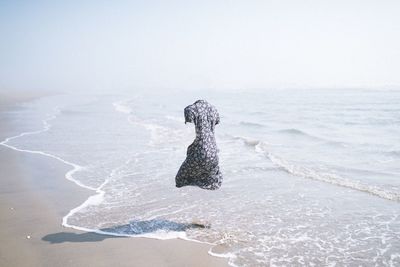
pixel 34 196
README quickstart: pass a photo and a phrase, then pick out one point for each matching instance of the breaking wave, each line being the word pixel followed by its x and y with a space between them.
pixel 305 172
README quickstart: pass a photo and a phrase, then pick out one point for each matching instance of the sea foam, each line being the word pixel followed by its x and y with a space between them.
pixel 305 172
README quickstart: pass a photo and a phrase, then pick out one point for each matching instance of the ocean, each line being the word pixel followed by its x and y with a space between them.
pixel 311 177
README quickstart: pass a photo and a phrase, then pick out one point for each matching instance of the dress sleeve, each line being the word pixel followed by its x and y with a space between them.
pixel 215 115
pixel 189 114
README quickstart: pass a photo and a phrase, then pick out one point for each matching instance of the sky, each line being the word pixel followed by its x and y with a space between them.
pixel 106 45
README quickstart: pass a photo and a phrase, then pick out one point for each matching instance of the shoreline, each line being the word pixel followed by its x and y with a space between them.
pixel 35 195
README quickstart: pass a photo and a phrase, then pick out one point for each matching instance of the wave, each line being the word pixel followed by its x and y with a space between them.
pixel 392 153
pixel 46 127
pixel 334 179
pixel 69 175
pixel 297 132
pixel 122 107
pixel 251 124
pixel 294 131
pixel 93 199
pixel 174 118
pixel 305 172
pixel 154 129
pixel 249 141
pixel 159 133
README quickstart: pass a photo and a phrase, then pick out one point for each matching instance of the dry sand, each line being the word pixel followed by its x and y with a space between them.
pixel 34 196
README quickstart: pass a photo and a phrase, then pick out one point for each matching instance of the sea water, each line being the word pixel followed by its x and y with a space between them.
pixel 311 177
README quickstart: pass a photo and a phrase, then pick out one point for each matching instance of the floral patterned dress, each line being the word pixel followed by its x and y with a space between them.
pixel 201 165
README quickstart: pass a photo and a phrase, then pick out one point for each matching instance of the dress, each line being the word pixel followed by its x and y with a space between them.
pixel 201 165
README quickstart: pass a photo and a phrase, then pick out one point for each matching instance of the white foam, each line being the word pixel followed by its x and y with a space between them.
pixel 158 133
pixel 262 148
pixel 326 177
pixel 99 196
pixel 229 256
pixel 221 255
pixel 92 200
pixel 47 126
pixel 249 141
pixel 173 118
pixel 121 106
pixel 160 235
pixel 154 129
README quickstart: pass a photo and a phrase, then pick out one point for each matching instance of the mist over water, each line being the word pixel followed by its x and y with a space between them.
pixel 310 177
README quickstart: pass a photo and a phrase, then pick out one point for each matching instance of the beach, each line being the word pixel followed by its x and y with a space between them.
pixel 35 196
pixel 309 178
pixel 200 133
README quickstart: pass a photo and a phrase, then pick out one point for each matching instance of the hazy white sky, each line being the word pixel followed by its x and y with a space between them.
pixel 75 45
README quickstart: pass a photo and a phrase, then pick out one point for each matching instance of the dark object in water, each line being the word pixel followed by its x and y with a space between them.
pixel 201 165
